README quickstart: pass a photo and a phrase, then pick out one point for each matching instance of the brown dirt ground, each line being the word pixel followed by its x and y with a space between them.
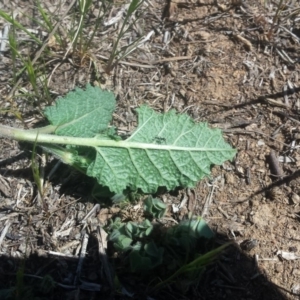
pixel 222 62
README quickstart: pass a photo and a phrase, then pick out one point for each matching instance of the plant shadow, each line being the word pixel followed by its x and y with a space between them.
pixel 48 273
pixel 53 275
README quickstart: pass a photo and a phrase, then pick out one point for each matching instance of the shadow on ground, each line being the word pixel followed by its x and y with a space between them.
pixel 234 276
pixel 48 275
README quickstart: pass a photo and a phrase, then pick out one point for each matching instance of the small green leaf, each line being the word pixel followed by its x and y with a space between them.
pixel 155 207
pixel 146 259
pixel 185 235
pixel 137 246
pixel 123 243
pixel 114 235
pixel 139 262
pixel 82 113
pixel 146 223
pixel 131 229
pixel 148 231
pixel 152 250
pixel 116 224
pixel 199 227
pixel 159 205
pixel 145 228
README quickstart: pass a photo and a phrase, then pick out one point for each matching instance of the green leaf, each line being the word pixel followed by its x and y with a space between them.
pixel 168 150
pixel 82 113
pixel 155 207
pixel 131 229
pixel 198 227
pixel 145 228
pixel 148 231
pixel 115 224
pixel 158 204
pixel 185 235
pixel 115 235
pixel 147 258
pixel 152 250
pixel 138 262
pixel 137 246
pixel 123 243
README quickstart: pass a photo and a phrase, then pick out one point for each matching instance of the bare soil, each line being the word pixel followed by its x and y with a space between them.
pixel 233 64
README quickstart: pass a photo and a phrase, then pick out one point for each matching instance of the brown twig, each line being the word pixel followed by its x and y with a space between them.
pixel 274 165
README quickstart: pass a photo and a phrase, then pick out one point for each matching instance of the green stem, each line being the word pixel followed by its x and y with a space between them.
pixel 38 135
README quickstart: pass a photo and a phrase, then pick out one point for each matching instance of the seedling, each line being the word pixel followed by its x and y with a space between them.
pixel 179 251
pixel 155 207
pixel 80 122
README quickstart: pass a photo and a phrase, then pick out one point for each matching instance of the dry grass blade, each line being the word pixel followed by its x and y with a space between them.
pixel 102 242
pixel 40 51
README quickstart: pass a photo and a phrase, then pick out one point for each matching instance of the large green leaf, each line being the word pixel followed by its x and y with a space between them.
pixel 167 150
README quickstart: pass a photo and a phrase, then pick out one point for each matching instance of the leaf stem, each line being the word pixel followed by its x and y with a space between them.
pixel 39 136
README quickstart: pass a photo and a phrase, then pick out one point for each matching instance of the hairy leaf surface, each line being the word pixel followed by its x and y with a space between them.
pixel 82 113
pixel 167 150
